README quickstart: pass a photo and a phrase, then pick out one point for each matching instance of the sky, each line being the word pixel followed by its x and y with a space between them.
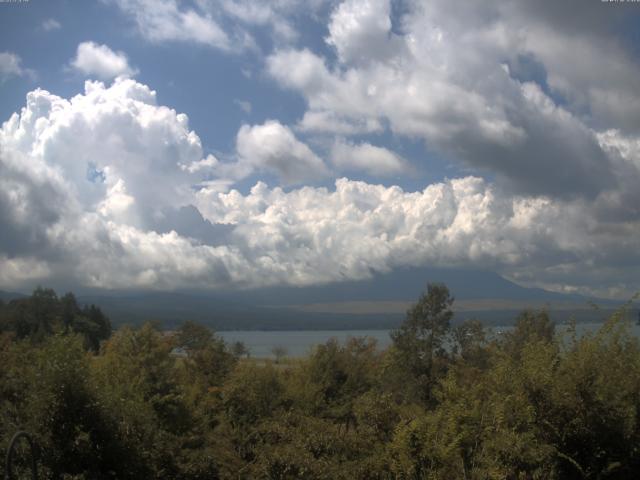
pixel 204 144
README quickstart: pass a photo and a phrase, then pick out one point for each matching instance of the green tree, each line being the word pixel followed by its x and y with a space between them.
pixel 531 325
pixel 61 408
pixel 192 336
pixel 94 325
pixel 419 342
pixel 34 317
pixel 43 314
pixel 469 343
pixel 334 376
pixel 279 352
pixel 239 349
pixel 208 356
pixel 137 380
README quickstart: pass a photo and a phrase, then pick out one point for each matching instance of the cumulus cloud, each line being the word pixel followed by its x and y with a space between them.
pixel 208 163
pixel 365 157
pixel 32 198
pixel 603 81
pixel 108 143
pixel 93 59
pixel 274 148
pixel 109 189
pixel 227 25
pixel 314 235
pixel 272 14
pixel 11 66
pixel 459 80
pixel 95 179
pixel 17 271
pixel 167 20
pixel 360 31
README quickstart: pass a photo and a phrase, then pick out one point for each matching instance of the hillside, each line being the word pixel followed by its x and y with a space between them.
pixel 379 302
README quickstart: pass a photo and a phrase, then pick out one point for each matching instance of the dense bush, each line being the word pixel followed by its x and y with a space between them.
pixel 441 402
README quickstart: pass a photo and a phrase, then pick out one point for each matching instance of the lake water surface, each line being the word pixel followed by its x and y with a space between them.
pixel 298 343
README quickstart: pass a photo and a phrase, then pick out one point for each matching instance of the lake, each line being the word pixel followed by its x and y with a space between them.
pixel 299 343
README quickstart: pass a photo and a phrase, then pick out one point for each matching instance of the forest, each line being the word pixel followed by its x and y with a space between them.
pixel 445 401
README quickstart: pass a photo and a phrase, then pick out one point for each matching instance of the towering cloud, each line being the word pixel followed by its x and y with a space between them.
pixel 87 182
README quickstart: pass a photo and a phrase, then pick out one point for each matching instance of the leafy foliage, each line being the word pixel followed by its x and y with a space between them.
pixel 440 403
pixel 43 314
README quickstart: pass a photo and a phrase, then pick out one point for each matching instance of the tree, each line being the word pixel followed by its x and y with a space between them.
pixel 68 310
pixel 335 375
pixel 239 349
pixel 531 325
pixel 43 314
pixel 208 357
pixel 34 317
pixel 63 411
pixel 469 343
pixel 279 352
pixel 419 342
pixel 97 326
pixel 192 336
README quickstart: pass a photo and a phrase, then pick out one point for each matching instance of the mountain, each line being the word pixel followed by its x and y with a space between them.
pixel 405 284
pixel 378 302
pixel 8 296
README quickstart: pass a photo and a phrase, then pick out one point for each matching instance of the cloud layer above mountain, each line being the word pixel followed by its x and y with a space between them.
pixel 86 182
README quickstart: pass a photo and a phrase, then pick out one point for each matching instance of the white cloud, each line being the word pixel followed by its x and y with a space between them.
pixel 10 66
pixel 313 235
pixel 17 271
pixel 273 147
pixel 117 201
pixel 302 70
pixel 165 20
pixel 51 24
pixel 360 30
pixel 374 160
pixel 228 25
pixel 83 182
pixel 273 14
pixel 64 220
pixel 603 82
pixel 97 60
pixel 209 163
pixel 118 131
pixel 459 81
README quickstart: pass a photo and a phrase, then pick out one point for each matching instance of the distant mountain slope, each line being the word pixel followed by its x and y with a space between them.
pixel 483 295
pixel 406 284
pixel 7 296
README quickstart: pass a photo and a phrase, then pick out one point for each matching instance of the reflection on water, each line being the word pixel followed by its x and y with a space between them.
pixel 299 343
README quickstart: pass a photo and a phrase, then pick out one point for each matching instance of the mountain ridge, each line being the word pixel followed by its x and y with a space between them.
pixel 480 294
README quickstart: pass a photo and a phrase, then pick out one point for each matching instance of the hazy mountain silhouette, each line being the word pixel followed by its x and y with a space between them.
pixel 276 308
pixel 8 296
pixel 404 284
